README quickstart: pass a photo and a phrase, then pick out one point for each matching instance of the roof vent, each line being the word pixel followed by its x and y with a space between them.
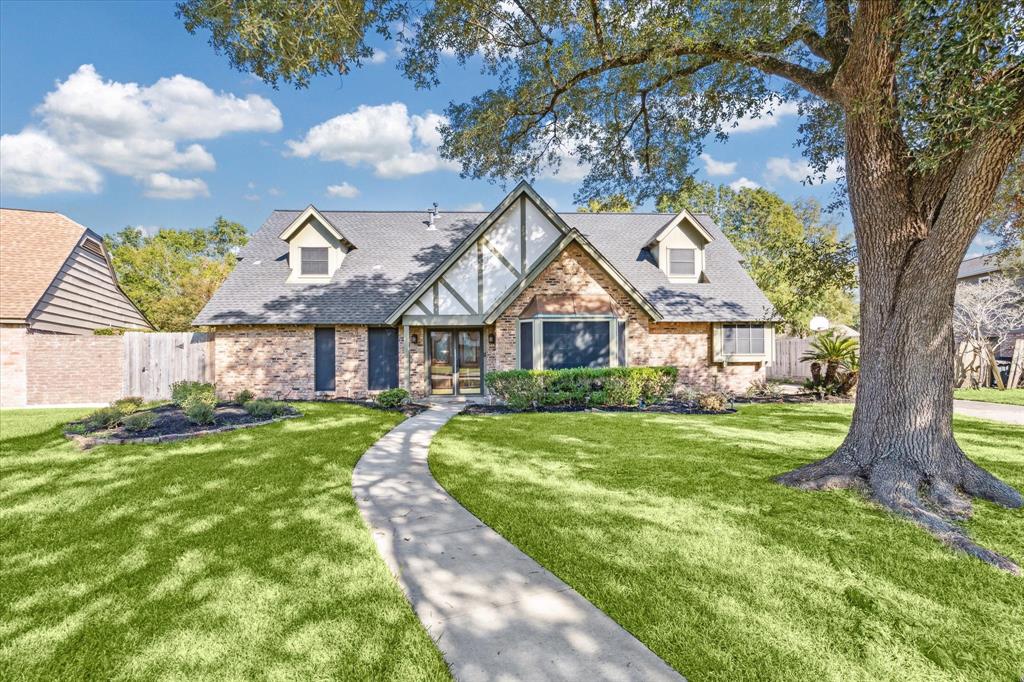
pixel 433 213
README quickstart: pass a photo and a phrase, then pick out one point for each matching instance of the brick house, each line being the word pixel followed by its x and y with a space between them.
pixel 332 303
pixel 56 280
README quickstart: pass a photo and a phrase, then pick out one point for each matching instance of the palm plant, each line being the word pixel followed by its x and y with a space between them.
pixel 834 351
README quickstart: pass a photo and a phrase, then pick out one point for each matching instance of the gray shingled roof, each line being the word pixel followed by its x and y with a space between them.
pixel 978 265
pixel 395 252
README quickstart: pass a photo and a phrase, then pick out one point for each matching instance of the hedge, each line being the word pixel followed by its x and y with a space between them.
pixel 522 389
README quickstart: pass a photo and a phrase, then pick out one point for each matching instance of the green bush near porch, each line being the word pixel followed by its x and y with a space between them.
pixel 522 389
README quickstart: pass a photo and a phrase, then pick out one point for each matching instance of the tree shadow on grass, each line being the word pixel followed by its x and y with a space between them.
pixel 673 526
pixel 233 556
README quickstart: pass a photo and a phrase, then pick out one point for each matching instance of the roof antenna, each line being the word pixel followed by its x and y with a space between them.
pixel 433 213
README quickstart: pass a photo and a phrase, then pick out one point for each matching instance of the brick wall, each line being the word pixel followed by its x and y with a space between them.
pixel 13 359
pixel 276 361
pixel 66 369
pixel 418 361
pixel 682 344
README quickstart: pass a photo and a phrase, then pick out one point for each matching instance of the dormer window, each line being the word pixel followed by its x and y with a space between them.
pixel 315 260
pixel 682 262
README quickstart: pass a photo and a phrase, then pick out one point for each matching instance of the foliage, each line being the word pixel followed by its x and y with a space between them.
pixel 266 409
pixel 794 255
pixel 1005 220
pixel 641 512
pixel 761 388
pixel 984 314
pixel 200 412
pixel 172 274
pixel 393 397
pixel 129 405
pixel 525 389
pixel 104 418
pixel 187 393
pixel 837 352
pixel 712 401
pixel 115 331
pixel 139 421
pixel 616 203
pixel 244 396
pixel 236 544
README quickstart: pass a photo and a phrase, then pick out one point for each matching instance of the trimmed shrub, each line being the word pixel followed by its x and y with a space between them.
pixel 104 418
pixel 199 412
pixel 185 394
pixel 128 405
pixel 393 397
pixel 759 388
pixel 265 409
pixel 244 396
pixel 523 389
pixel 712 402
pixel 139 421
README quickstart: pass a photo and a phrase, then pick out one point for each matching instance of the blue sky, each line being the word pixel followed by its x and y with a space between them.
pixel 114 115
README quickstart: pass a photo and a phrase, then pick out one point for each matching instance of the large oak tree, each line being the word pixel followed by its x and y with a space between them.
pixel 922 99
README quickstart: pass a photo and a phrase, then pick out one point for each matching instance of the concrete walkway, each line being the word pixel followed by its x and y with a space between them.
pixel 1010 414
pixel 494 612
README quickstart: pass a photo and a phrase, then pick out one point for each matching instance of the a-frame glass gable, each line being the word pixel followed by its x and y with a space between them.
pixel 501 256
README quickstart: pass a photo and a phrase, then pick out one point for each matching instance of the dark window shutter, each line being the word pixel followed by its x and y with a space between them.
pixel 526 345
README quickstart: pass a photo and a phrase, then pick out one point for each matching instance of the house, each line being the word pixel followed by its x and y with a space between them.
pixel 346 303
pixel 55 279
pixel 977 269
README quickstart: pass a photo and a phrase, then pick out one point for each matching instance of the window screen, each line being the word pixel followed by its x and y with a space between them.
pixel 526 345
pixel 314 260
pixel 682 261
pixel 743 339
pixel 576 344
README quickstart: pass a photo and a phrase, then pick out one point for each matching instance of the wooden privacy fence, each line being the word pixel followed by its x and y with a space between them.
pixel 154 361
pixel 787 365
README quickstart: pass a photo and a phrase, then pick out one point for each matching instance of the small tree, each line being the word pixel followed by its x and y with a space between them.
pixel 836 351
pixel 984 313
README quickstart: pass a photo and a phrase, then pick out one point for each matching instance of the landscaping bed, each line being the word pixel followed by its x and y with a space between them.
pixel 171 423
pixel 667 407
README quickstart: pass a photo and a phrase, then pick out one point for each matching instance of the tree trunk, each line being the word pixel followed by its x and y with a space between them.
pixel 912 231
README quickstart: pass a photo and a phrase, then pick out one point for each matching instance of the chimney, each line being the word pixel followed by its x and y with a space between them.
pixel 433 213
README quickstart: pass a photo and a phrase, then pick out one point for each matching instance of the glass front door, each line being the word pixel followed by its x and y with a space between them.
pixel 456 361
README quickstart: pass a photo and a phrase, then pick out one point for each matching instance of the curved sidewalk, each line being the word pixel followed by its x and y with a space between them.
pixel 494 612
pixel 1008 414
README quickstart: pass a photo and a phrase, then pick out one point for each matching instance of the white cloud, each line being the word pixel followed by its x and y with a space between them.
pixel 33 163
pixel 474 206
pixel 769 118
pixel 569 168
pixel 164 186
pixel 743 183
pixel 714 167
pixel 138 130
pixel 274 192
pixel 251 197
pixel 344 190
pixel 379 56
pixel 384 137
pixel 799 170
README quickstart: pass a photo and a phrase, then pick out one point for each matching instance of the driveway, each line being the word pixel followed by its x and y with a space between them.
pixel 1010 414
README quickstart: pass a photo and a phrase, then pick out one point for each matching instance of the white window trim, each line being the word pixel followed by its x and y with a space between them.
pixel 696 261
pixel 718 341
pixel 319 275
pixel 538 336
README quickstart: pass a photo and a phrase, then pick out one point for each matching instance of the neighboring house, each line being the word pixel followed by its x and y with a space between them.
pixel 345 303
pixel 55 278
pixel 977 269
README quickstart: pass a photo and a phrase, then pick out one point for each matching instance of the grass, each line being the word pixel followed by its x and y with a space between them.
pixel 672 525
pixel 236 556
pixel 1010 396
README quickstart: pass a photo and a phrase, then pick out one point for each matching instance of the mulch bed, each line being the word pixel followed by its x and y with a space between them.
pixel 172 424
pixel 409 409
pixel 671 407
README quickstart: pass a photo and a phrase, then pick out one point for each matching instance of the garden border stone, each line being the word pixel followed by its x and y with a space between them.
pixel 85 442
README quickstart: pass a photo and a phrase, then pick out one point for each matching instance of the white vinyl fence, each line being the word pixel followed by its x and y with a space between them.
pixel 154 361
pixel 787 365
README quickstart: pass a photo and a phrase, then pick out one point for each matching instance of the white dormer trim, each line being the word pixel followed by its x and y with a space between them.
pixel 674 223
pixel 312 229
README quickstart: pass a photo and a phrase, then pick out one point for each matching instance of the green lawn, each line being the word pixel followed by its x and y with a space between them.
pixel 237 556
pixel 1012 396
pixel 672 526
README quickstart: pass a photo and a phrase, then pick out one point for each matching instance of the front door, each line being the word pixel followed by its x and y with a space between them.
pixel 456 361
